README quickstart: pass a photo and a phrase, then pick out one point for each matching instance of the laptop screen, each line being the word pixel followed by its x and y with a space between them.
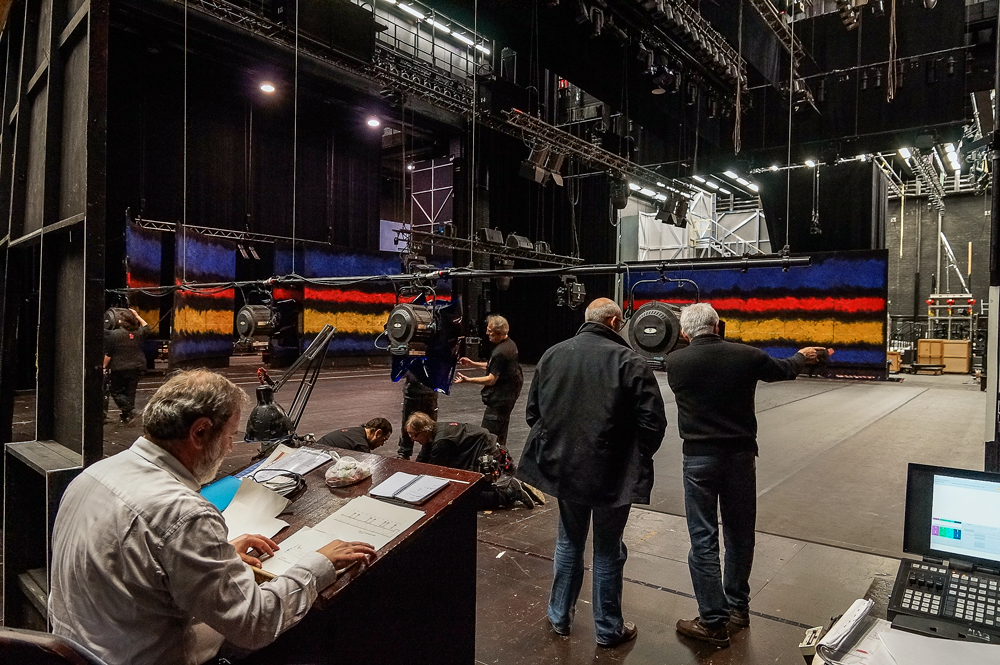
pixel 953 514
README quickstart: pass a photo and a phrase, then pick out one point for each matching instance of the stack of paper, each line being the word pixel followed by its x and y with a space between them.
pixel 846 633
pixel 363 519
pixel 254 509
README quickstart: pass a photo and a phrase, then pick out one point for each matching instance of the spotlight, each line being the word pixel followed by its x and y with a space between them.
pixel 409 167
pixel 930 4
pixel 374 122
pixel 582 13
pixel 571 294
pixel 267 87
pixel 774 167
pixel 848 16
pixel 243 250
pixel 810 163
pixel 949 148
pixel 597 18
pixel 904 153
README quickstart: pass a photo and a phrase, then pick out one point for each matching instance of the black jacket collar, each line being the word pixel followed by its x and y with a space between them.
pixel 603 331
pixel 710 338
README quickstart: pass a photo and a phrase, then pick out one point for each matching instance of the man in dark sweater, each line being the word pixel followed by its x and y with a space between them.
pixel 714 384
pixel 363 439
pixel 503 381
pixel 124 362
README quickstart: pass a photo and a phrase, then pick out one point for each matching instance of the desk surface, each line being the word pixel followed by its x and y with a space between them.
pixel 318 501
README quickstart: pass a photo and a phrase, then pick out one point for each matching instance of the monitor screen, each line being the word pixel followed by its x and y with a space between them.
pixel 953 514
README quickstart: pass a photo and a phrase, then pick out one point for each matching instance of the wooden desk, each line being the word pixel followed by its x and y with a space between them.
pixel 415 603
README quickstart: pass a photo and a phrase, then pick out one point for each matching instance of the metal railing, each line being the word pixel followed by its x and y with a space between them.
pixel 709 233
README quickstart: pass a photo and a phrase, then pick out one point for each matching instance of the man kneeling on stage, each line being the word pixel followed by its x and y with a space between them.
pixel 470 447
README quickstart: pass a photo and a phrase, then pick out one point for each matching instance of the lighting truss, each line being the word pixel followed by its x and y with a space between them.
pixel 228 234
pixel 708 44
pixel 895 183
pixel 425 239
pixel 928 177
pixel 389 67
pixel 593 155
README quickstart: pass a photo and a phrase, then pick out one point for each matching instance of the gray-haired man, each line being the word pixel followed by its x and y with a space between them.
pixel 714 382
pixel 142 571
pixel 503 381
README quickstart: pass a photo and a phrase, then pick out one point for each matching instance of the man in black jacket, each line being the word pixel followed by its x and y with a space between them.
pixel 596 418
pixel 714 384
pixel 371 435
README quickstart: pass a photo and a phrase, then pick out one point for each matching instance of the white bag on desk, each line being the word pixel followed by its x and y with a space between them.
pixel 347 471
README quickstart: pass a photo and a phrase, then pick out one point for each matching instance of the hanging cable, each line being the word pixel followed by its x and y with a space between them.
pixel 295 133
pixel 890 86
pixel 791 97
pixel 737 134
pixel 185 188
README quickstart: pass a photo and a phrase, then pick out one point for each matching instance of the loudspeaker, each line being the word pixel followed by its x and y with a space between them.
pixel 491 236
pixel 619 193
pixel 519 242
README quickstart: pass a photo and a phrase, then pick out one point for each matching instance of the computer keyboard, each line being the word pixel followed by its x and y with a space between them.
pixel 969 598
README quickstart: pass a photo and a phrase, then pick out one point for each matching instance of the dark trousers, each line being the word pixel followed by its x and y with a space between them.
pixel 426 403
pixel 496 421
pixel 122 385
pixel 727 483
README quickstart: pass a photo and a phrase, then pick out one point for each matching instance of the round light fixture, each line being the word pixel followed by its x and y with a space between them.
pixel 267 87
pixel 374 122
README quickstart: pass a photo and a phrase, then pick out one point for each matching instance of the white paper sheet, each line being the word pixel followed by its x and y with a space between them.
pixel 370 521
pixel 254 509
pixel 392 484
pixel 293 548
pixel 300 460
pixel 911 649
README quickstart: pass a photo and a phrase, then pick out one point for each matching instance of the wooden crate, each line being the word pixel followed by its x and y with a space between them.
pixel 894 360
pixel 957 356
pixel 930 351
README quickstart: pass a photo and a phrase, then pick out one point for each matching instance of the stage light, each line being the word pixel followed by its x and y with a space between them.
pixel 480 47
pixel 647 192
pixel 634 187
pixel 862 158
pixel 949 148
pixel 753 188
pixel 810 163
pixel 661 184
pixel 904 153
pixel 374 122
pixel 412 12
pixel 439 26
pixel 743 181
pixel 698 178
pixel 731 175
pixel 774 167
pixel 409 167
pixel 725 191
pixel 465 40
pixel 660 197
pixel 711 184
pixel 267 87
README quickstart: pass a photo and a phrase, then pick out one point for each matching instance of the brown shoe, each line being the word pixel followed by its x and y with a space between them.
pixel 740 619
pixel 695 629
pixel 534 493
pixel 629 631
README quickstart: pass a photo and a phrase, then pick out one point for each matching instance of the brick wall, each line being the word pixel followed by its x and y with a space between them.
pixel 963 222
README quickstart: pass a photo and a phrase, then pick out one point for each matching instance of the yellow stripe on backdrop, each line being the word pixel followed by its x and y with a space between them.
pixel 192 321
pixel 823 331
pixel 344 322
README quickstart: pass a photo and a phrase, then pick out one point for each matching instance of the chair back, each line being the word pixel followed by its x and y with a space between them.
pixel 31 646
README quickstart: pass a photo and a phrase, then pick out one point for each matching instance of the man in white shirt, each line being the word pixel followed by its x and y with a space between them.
pixel 141 568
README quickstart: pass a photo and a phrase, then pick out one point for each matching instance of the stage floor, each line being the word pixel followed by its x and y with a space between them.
pixel 831 479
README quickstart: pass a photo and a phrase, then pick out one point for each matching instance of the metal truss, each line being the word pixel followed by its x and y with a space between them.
pixel 928 178
pixel 390 68
pixel 597 157
pixel 425 239
pixel 782 30
pixel 228 234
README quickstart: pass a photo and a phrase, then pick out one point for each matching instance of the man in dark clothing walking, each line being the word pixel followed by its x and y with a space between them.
pixel 596 419
pixel 124 361
pixel 363 439
pixel 503 380
pixel 714 383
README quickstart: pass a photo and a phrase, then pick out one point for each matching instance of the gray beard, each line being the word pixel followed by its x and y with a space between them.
pixel 206 468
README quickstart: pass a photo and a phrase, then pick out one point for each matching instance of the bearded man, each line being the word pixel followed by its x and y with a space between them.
pixel 142 571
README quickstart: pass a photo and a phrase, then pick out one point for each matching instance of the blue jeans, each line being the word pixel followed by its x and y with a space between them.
pixel 610 554
pixel 728 482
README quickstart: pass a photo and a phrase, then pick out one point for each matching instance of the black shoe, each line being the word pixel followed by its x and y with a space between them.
pixel 563 632
pixel 629 631
pixel 516 493
pixel 739 618
pixel 695 629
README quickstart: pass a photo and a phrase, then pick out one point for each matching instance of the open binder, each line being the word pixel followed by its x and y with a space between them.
pixel 408 488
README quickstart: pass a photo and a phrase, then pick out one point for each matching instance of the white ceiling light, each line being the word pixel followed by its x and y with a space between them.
pixel 661 197
pixel 904 153
pixel 463 39
pixel 774 167
pixel 439 26
pixel 391 2
pixel 731 175
pixel 711 184
pixel 810 163
pixel 743 181
pixel 949 148
pixel 267 87
pixel 725 191
pixel 646 192
pixel 374 122
pixel 413 12
pixel 480 47
pixel 753 187
pixel 698 178
pixel 634 187
pixel 661 184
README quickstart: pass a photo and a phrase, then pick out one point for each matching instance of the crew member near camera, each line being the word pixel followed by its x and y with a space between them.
pixel 371 435
pixel 714 383
pixel 124 362
pixel 464 446
pixel 416 397
pixel 503 380
pixel 596 418
pixel 142 571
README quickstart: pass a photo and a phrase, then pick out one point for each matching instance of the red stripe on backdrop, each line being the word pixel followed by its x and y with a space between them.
pixel 136 282
pixel 764 305
pixel 334 294
pixel 285 294
pixel 225 294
